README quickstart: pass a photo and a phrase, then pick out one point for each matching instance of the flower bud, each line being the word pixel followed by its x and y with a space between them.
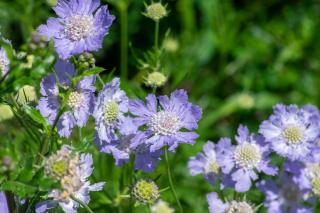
pixel 26 94
pixel 145 191
pixel 5 112
pixel 155 79
pixel 156 11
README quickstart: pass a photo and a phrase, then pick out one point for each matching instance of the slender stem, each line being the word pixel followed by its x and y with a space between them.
pixel 156 35
pixel 170 180
pixel 10 201
pixel 82 204
pixel 100 80
pixel 123 10
pixel 149 208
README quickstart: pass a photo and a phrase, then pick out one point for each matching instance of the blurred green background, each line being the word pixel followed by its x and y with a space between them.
pixel 235 58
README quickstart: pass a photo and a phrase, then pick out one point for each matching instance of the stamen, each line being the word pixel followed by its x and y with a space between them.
pixel 165 123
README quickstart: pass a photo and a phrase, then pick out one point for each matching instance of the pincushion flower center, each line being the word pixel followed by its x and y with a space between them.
pixel 247 155
pixel 59 167
pixel 75 100
pixel 316 185
pixel 165 123
pixel 239 207
pixel 78 27
pixel 213 167
pixel 111 111
pixel 293 135
pixel 3 64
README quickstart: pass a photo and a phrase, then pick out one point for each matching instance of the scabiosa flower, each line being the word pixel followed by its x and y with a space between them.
pixel 284 196
pixel 218 206
pixel 291 133
pixel 206 163
pixel 109 111
pixel 243 160
pixel 74 183
pixel 121 150
pixel 4 62
pixel 80 27
pixel 79 102
pixel 170 123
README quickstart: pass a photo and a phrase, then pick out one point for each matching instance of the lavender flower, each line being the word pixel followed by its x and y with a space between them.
pixel 283 196
pixel 206 163
pixel 170 123
pixel 4 62
pixel 120 149
pixel 79 102
pixel 242 161
pixel 218 206
pixel 80 27
pixel 3 203
pixel 74 183
pixel 291 133
pixel 109 111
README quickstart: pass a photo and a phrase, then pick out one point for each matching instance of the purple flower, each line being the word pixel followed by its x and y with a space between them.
pixel 120 148
pixel 243 160
pixel 284 196
pixel 169 123
pixel 305 175
pixel 76 184
pixel 216 205
pixel 79 101
pixel 3 203
pixel 206 163
pixel 80 27
pixel 291 132
pixel 4 62
pixel 109 111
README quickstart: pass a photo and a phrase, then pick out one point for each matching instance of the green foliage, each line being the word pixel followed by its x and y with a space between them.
pixel 235 58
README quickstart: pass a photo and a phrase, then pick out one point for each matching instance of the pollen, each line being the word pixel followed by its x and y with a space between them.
pixel 78 27
pixel 145 191
pixel 239 207
pixel 75 100
pixel 293 135
pixel 247 155
pixel 165 123
pixel 111 111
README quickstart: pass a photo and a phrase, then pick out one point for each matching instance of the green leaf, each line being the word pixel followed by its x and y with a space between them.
pixel 90 72
pixel 35 115
pixel 20 189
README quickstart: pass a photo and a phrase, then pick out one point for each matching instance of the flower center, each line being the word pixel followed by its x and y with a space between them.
pixel 78 27
pixel 165 123
pixel 247 155
pixel 59 167
pixel 239 207
pixel 316 186
pixel 293 135
pixel 213 167
pixel 3 64
pixel 111 111
pixel 290 192
pixel 75 100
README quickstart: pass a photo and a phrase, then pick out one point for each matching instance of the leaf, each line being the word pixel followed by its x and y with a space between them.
pixel 20 189
pixel 90 72
pixel 35 115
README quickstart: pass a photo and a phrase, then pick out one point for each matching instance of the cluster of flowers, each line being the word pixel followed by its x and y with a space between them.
pixel 291 133
pixel 123 127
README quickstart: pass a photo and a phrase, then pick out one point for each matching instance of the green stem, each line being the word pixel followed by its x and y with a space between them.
pixel 124 40
pixel 156 35
pixel 149 208
pixel 100 80
pixel 170 180
pixel 82 204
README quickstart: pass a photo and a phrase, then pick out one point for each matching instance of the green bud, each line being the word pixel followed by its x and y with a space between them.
pixel 155 79
pixel 156 11
pixel 145 191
